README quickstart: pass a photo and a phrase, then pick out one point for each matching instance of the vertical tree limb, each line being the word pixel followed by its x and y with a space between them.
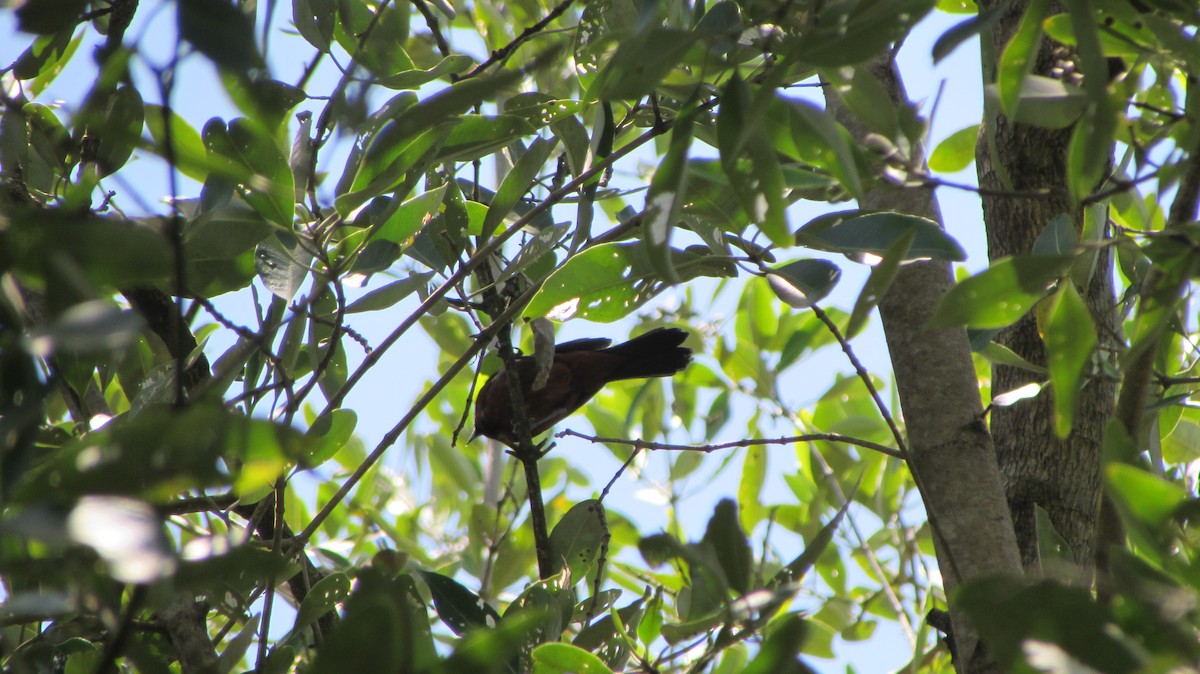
pixel 950 450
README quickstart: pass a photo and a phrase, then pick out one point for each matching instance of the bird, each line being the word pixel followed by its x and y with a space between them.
pixel 580 369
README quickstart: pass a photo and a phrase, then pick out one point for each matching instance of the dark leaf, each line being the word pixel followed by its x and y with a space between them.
pixel 220 31
pixel 1008 612
pixel 577 539
pixel 729 543
pixel 458 607
pixel 856 232
pixel 49 16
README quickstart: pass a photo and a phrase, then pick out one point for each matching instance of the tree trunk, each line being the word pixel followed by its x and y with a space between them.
pixel 949 450
pixel 1062 476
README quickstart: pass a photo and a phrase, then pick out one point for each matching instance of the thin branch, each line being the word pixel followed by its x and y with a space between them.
pixel 502 54
pixel 808 437
pixel 434 27
pixel 864 376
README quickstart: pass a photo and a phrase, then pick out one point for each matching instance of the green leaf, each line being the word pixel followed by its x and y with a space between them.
pixel 390 294
pixel 1058 238
pixel 603 636
pixel 517 183
pixel 370 634
pixel 477 136
pixel 324 597
pixel 386 161
pixel 314 19
pixel 730 545
pixel 1009 612
pixel 964 30
pixel 1002 355
pixel 187 148
pixel 541 109
pixel 956 152
pixel 1145 496
pixel 237 570
pixel 856 232
pixel 559 658
pixel 879 282
pixel 1001 294
pixel 458 607
pixel 418 77
pixel 665 197
pixel 225 232
pixel 1070 338
pixel 1055 553
pixel 814 128
pixel 281 262
pixel 117 129
pixel 1089 152
pixel 446 104
pixel 44 17
pixel 640 63
pixel 42 58
pixel 608 282
pixel 658 549
pixel 163 451
pixel 400 222
pixel 781 649
pixel 1047 102
pixel 376 35
pixel 795 570
pixel 270 186
pixel 220 31
pixel 844 34
pixel 1016 62
pixel 804 282
pixel 750 486
pixel 264 100
pixel 93 326
pixel 330 433
pixel 577 539
pixel 109 252
pixel 870 102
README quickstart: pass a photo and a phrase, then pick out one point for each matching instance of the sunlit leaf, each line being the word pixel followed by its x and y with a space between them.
pixel 1001 294
pixel 608 282
pixel 956 152
pixel 1070 338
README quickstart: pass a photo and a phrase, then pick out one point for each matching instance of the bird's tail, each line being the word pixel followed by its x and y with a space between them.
pixel 654 354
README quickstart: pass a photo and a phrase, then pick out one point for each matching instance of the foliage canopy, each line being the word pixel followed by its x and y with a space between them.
pixel 166 501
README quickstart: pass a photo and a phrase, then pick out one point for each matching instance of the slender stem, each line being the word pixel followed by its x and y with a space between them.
pixel 808 437
pixel 864 376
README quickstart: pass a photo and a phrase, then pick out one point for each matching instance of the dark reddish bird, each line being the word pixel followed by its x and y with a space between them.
pixel 581 368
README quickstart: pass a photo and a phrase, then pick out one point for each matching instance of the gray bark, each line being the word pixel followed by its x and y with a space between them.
pixel 950 450
pixel 1062 476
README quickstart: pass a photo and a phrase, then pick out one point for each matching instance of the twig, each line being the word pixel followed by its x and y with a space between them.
pixel 808 437
pixel 434 27
pixel 864 376
pixel 504 52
